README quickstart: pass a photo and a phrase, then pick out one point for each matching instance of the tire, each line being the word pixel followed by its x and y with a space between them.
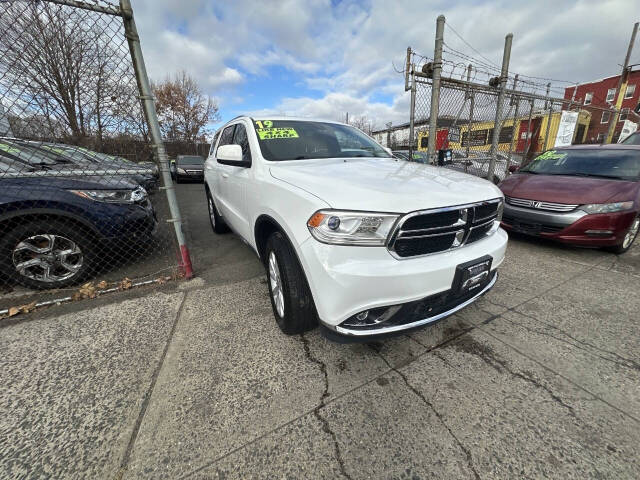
pixel 217 222
pixel 295 313
pixel 629 239
pixel 52 270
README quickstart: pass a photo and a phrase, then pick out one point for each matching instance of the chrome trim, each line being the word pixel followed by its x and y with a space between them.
pixel 540 205
pixel 396 231
pixel 558 219
pixel 431 235
pixel 417 323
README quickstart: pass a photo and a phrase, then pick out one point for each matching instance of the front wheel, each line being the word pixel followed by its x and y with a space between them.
pixel 629 238
pixel 289 291
pixel 47 254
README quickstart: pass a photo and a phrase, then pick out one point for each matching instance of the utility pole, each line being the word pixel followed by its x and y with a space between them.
pixel 504 73
pixel 622 86
pixel 435 90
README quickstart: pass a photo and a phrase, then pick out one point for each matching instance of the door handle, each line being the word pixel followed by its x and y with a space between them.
pixel 225 175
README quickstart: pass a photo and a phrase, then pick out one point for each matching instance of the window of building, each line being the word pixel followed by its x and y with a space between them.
pixel 624 113
pixel 628 93
pixel 606 115
pixel 587 98
pixel 611 94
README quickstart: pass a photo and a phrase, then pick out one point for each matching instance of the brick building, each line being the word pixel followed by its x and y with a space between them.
pixel 599 96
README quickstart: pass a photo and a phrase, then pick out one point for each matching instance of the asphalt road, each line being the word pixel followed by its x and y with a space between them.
pixel 539 379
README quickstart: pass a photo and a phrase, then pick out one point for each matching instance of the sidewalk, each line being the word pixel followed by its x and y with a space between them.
pixel 541 378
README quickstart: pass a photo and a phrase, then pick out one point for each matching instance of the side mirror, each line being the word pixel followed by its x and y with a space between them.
pixel 231 155
pixel 388 150
pixel 513 168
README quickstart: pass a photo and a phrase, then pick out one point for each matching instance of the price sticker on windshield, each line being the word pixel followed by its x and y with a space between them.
pixel 276 132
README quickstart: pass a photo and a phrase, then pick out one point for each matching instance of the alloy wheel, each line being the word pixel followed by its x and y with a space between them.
pixel 631 234
pixel 276 284
pixel 47 258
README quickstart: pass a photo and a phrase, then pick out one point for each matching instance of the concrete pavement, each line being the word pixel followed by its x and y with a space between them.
pixel 540 379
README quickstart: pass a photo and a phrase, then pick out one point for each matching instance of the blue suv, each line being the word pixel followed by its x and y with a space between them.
pixel 54 230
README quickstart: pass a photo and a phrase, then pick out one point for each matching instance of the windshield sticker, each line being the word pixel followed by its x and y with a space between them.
pixel 552 155
pixel 276 132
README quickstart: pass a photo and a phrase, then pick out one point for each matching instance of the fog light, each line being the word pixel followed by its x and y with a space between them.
pixel 599 233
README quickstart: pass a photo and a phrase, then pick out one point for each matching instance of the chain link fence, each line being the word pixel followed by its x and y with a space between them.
pixel 83 179
pixel 490 120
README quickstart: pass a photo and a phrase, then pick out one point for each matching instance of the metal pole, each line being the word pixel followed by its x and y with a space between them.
pixel 504 73
pixel 613 121
pixel 472 101
pixel 529 133
pixel 513 127
pixel 435 89
pixel 148 104
pixel 407 67
pixel 412 115
pixel 546 135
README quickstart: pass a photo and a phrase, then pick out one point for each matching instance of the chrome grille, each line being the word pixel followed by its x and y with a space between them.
pixel 432 231
pixel 553 207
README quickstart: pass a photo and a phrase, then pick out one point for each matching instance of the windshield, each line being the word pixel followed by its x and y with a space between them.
pixel 633 139
pixel 617 164
pixel 298 140
pixel 30 155
pixel 191 160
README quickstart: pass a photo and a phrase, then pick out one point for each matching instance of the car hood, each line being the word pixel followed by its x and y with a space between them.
pixel 381 184
pixel 568 189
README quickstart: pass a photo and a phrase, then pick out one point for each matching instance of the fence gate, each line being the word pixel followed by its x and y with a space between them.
pixel 86 199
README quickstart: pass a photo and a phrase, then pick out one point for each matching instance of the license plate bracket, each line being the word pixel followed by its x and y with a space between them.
pixel 472 276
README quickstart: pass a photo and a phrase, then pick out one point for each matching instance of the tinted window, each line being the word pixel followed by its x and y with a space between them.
pixel 190 160
pixel 226 138
pixel 240 138
pixel 213 143
pixel 633 139
pixel 298 140
pixel 618 164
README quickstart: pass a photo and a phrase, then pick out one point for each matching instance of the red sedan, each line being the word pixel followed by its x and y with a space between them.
pixel 585 195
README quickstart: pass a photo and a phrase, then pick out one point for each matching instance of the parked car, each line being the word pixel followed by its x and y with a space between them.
pixel 189 168
pixel 56 229
pixel 360 243
pixel 583 195
pixel 145 175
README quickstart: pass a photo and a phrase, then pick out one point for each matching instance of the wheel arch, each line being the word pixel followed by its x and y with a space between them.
pixel 21 216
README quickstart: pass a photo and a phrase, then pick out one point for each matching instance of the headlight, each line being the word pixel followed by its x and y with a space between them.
pixel 113 196
pixel 341 227
pixel 182 171
pixel 607 207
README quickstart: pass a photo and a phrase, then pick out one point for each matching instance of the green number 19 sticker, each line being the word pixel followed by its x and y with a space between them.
pixel 265 124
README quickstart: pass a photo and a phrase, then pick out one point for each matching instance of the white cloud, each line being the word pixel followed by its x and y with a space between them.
pixel 347 50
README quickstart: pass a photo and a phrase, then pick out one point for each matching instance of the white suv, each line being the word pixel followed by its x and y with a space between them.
pixel 350 237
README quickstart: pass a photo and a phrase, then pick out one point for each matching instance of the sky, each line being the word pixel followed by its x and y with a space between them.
pixel 323 58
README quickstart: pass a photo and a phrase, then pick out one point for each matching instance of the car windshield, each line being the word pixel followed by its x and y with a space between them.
pixel 32 156
pixel 300 140
pixel 633 139
pixel 617 164
pixel 191 160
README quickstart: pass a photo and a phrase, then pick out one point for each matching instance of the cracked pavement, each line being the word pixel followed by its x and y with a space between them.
pixel 539 379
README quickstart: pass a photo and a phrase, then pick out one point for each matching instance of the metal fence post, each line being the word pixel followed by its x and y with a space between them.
pixel 472 101
pixel 550 104
pixel 435 89
pixel 412 114
pixel 504 73
pixel 148 104
pixel 514 135
pixel 529 132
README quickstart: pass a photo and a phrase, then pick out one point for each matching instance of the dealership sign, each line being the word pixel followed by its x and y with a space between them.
pixel 566 128
pixel 627 129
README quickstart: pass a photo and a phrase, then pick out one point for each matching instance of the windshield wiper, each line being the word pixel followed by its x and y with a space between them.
pixel 597 175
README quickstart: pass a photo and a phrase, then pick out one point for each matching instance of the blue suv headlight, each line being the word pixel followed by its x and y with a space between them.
pixel 113 196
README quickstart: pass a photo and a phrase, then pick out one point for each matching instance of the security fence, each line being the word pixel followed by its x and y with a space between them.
pixel 86 199
pixel 490 120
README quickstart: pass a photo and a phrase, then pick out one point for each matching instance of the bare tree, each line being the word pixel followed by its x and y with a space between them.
pixel 66 71
pixel 184 112
pixel 362 123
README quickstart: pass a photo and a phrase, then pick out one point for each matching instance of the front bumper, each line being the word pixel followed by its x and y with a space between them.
pixel 576 227
pixel 346 280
